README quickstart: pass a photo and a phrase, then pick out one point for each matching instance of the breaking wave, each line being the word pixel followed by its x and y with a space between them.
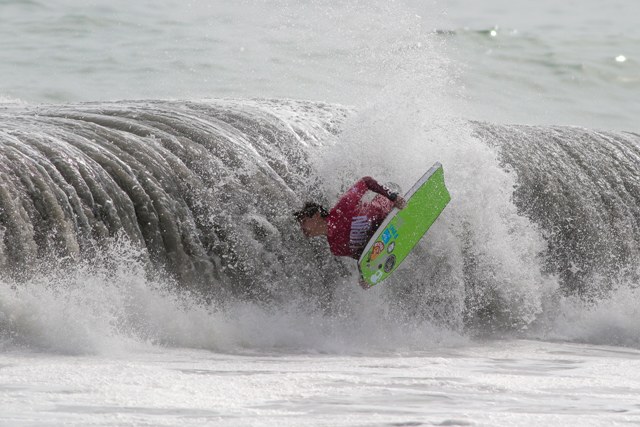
pixel 170 223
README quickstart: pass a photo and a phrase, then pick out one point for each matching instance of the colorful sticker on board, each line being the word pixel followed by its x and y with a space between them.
pixel 391 247
pixel 389 233
pixel 377 250
pixel 376 277
pixel 389 263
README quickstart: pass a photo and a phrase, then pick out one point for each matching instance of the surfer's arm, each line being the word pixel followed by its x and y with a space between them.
pixel 352 197
pixel 374 186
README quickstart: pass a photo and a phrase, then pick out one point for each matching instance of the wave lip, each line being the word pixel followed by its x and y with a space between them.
pixel 204 187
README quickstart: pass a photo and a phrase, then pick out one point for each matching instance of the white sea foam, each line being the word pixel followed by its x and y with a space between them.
pixel 10 100
pixel 111 305
pixel 611 320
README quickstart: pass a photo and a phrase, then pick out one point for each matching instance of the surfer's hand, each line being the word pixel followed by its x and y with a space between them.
pixel 400 203
pixel 363 283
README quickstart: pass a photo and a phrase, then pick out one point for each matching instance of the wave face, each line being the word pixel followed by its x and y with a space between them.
pixel 206 188
pixel 202 192
pixel 583 188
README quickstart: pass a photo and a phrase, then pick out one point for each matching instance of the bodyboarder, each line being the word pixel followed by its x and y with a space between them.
pixel 350 224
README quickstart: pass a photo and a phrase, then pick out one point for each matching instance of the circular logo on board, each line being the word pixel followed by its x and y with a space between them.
pixel 389 263
pixel 391 246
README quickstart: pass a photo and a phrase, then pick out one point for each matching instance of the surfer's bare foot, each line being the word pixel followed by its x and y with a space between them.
pixel 363 283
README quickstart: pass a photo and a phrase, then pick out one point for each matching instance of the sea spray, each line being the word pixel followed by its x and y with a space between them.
pixel 204 193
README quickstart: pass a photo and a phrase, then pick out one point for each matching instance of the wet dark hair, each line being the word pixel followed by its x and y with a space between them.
pixel 310 209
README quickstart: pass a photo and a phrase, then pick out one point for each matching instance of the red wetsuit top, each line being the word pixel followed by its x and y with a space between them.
pixel 352 222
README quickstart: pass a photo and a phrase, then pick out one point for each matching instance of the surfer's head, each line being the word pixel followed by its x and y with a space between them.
pixel 312 219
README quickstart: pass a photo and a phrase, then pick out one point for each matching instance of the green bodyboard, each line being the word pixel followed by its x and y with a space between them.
pixel 403 229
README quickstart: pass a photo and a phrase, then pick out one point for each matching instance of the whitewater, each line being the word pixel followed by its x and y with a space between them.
pixel 152 154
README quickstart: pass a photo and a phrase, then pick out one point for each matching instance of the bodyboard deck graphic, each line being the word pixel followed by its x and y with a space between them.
pixel 403 229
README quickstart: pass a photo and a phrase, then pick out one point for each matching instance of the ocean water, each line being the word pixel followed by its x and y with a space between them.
pixel 151 154
pixel 573 62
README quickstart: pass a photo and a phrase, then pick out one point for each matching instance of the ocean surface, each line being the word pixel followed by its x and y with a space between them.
pixel 151 154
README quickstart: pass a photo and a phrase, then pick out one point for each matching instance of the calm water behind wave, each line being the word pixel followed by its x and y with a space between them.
pixel 571 63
